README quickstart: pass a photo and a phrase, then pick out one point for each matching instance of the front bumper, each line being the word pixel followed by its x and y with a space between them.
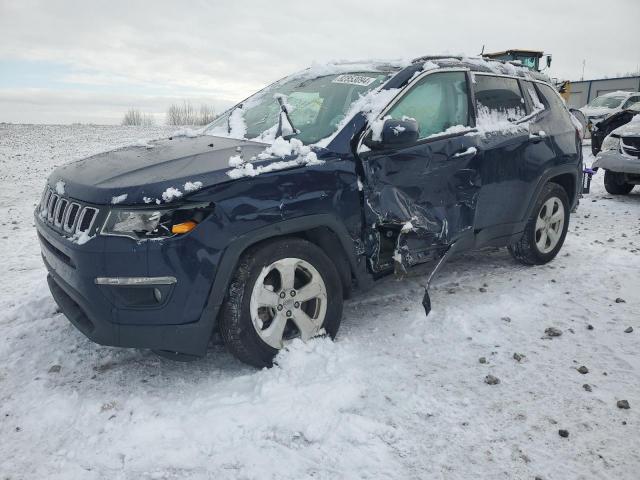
pixel 617 162
pixel 131 315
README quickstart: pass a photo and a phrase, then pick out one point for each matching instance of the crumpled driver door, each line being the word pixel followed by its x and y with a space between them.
pixel 419 199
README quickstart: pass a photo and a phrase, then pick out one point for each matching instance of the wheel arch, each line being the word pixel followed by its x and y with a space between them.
pixel 323 230
pixel 566 176
pixel 567 181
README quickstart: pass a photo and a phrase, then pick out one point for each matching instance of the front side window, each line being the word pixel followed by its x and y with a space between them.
pixel 438 102
pixel 316 107
pixel 499 98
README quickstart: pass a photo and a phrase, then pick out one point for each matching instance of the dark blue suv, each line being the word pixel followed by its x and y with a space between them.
pixel 257 227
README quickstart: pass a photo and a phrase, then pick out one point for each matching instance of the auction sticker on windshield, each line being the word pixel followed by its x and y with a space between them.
pixel 352 79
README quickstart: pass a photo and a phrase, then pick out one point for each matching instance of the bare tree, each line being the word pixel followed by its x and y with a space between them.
pixel 135 117
pixel 187 114
pixel 207 114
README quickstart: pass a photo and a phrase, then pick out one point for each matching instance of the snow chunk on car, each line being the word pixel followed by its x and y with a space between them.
pixel 60 187
pixel 170 194
pixel 280 148
pixel 192 186
pixel 118 199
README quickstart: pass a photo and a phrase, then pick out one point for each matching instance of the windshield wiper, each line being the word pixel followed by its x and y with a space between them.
pixel 286 129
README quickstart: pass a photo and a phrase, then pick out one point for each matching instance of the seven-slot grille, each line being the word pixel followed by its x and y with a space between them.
pixel 631 146
pixel 66 215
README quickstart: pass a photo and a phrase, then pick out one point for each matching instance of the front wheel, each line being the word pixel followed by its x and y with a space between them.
pixel 614 183
pixel 546 229
pixel 283 289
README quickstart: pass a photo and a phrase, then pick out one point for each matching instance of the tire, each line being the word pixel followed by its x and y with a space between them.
pixel 258 277
pixel 614 183
pixel 543 237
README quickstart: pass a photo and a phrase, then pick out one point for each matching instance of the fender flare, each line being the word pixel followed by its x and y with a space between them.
pixel 238 246
pixel 548 175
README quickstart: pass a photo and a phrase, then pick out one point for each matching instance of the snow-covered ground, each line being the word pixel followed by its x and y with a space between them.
pixel 398 395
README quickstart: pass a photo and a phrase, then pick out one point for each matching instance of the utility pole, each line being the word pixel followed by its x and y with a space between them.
pixel 584 62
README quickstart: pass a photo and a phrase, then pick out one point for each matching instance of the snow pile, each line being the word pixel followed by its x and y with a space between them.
pixel 371 105
pixel 429 65
pixel 397 396
pixel 81 238
pixel 451 130
pixel 187 132
pixel 171 194
pixel 192 186
pixel 280 148
pixel 492 120
pixel 143 142
pixel 60 187
pixel 118 199
pixel 506 68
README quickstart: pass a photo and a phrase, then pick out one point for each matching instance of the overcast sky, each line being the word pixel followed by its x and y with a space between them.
pixel 69 61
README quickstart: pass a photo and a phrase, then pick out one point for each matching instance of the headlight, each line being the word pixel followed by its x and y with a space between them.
pixel 611 143
pixel 143 224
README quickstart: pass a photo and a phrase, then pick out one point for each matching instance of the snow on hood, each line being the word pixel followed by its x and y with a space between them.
pixel 596 111
pixel 303 155
pixel 631 129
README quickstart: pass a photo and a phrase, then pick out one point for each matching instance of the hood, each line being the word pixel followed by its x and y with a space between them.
pixel 591 112
pixel 130 174
pixel 631 129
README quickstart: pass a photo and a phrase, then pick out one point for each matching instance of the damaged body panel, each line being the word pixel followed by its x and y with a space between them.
pixel 432 186
pixel 379 166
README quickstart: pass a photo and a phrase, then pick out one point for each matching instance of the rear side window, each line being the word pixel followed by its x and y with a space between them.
pixel 499 98
pixel 553 102
pixel 550 97
pixel 534 98
pixel 631 101
pixel 439 102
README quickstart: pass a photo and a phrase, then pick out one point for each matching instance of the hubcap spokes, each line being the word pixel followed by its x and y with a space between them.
pixel 549 225
pixel 289 299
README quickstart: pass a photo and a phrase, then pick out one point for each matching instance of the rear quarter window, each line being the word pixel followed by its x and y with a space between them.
pixel 553 102
pixel 499 97
pixel 537 104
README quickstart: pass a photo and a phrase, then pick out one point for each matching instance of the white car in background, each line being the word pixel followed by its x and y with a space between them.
pixel 620 158
pixel 605 105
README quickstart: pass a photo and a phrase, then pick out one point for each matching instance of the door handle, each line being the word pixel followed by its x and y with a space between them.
pixel 469 152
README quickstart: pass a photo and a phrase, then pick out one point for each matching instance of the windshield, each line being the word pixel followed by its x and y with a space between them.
pixel 606 102
pixel 316 107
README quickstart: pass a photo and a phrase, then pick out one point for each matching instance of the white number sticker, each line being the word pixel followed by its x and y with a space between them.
pixel 352 79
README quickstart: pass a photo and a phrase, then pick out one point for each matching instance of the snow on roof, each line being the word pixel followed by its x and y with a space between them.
pixel 618 93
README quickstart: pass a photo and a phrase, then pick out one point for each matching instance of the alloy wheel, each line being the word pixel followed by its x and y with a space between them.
pixel 288 300
pixel 549 224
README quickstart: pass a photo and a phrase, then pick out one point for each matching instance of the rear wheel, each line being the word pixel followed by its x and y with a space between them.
pixel 283 289
pixel 615 184
pixel 546 230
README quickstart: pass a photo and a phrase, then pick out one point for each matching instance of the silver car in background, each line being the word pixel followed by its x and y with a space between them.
pixel 620 158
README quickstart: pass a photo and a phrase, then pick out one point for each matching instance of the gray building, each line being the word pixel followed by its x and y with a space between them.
pixel 582 92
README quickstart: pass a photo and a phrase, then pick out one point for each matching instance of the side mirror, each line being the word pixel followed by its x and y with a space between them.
pixel 395 134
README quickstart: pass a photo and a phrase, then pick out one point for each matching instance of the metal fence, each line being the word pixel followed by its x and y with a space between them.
pixel 582 92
